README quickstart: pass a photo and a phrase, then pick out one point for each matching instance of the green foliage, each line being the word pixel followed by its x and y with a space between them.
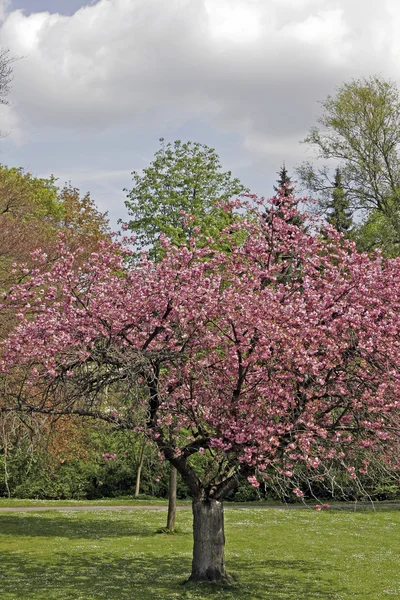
pixel 284 182
pixel 25 196
pixel 339 213
pixel 245 493
pixel 284 189
pixel 360 130
pixel 385 491
pixel 36 473
pixel 379 232
pixel 184 179
pixel 73 480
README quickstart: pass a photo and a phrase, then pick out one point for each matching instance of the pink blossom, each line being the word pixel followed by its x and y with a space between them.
pixel 254 482
pixel 252 352
pixel 108 456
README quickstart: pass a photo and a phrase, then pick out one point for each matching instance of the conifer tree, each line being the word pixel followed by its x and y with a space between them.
pixel 339 215
pixel 284 192
pixel 284 182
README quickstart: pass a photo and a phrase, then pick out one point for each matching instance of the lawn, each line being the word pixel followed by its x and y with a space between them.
pixel 128 501
pixel 280 554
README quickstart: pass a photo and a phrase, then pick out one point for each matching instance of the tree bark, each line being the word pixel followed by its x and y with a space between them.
pixel 209 541
pixel 139 471
pixel 172 499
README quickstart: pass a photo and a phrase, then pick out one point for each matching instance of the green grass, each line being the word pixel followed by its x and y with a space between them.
pixel 280 554
pixel 129 501
pixel 151 500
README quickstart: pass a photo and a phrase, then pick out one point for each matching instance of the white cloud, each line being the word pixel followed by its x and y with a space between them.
pixel 256 67
pixel 321 28
pixel 233 20
pixel 4 5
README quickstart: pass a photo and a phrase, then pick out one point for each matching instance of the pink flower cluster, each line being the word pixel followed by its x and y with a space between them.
pixel 108 456
pixel 319 507
pixel 253 481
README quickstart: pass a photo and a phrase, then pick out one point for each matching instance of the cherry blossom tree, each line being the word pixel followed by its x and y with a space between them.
pixel 242 372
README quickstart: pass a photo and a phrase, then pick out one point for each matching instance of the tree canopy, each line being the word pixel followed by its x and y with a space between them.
pixel 284 182
pixel 359 132
pixel 184 179
pixel 360 129
pixel 338 208
pixel 33 212
pixel 252 374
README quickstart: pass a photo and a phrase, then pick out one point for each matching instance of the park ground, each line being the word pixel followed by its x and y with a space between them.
pixel 273 553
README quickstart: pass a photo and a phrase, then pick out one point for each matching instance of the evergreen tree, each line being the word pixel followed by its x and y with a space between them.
pixel 339 215
pixel 284 182
pixel 284 198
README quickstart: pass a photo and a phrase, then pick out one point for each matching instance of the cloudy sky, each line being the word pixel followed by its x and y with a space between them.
pixel 99 82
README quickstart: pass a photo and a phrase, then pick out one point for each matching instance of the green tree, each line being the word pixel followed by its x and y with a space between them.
pixel 184 178
pixel 284 200
pixel 27 197
pixel 284 182
pixel 378 232
pixel 33 211
pixel 339 213
pixel 359 130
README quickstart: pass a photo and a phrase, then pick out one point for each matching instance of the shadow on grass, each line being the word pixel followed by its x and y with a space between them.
pixel 85 528
pixel 92 577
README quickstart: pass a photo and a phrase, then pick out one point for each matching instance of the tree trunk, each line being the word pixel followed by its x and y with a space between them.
pixel 139 471
pixel 172 499
pixel 209 541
